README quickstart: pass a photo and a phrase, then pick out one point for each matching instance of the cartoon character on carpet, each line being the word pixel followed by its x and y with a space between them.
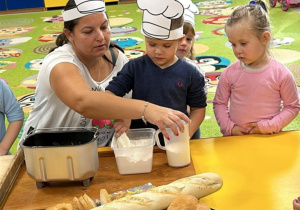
pixel 14 31
pixel 54 27
pixel 217 20
pixel 126 42
pixel 219 31
pixel 27 102
pixel 119 21
pixel 29 82
pixel 210 63
pixel 6 65
pixel 217 11
pixel 54 19
pixel 122 30
pixel 10 53
pixel 117 18
pixel 133 53
pixel 49 37
pixel 44 49
pixel 213 4
pixel 7 42
pixel 34 64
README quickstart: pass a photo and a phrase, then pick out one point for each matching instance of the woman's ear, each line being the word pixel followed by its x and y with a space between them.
pixel 266 36
pixel 68 34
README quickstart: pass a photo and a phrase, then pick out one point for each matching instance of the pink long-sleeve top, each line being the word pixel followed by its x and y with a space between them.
pixel 268 96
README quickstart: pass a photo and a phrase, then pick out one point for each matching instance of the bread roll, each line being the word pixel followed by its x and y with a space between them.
pixel 202 206
pixel 187 202
pixel 160 197
pixel 184 202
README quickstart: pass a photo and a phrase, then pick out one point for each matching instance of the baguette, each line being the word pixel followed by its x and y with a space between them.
pixel 160 197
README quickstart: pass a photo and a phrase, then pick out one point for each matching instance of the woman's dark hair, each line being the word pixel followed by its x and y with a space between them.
pixel 62 39
pixel 69 25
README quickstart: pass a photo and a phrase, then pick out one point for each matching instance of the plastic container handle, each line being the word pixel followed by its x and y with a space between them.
pixel 157 140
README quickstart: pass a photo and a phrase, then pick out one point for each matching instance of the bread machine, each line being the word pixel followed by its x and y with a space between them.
pixel 61 154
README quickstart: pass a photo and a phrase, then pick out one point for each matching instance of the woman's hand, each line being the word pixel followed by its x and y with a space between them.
pixel 162 117
pixel 121 126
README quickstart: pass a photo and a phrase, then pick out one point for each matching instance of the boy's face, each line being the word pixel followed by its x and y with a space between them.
pixel 161 52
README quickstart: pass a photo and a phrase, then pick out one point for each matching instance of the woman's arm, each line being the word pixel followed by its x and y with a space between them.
pixel 71 88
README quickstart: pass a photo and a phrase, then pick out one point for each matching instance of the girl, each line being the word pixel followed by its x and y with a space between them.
pixel 185 51
pixel 256 84
pixel 186 47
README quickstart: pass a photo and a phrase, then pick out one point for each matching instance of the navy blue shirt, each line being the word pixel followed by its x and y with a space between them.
pixel 174 87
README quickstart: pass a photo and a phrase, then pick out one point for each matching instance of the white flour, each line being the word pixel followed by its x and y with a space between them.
pixel 134 166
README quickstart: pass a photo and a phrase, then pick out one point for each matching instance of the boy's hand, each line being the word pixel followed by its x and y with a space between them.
pixel 121 126
pixel 238 131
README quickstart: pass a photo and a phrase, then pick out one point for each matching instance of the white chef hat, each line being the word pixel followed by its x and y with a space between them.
pixel 190 10
pixel 162 19
pixel 83 8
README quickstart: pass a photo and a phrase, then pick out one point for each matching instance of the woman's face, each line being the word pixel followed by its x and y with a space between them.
pixel 91 36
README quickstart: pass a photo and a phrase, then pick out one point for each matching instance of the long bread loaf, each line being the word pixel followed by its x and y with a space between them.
pixel 160 197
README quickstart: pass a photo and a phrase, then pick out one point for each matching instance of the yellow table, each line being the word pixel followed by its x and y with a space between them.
pixel 260 172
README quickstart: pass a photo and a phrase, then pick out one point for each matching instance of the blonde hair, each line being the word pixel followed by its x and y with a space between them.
pixel 254 15
pixel 187 27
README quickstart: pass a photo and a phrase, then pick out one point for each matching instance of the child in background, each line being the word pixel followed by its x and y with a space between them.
pixel 158 76
pixel 185 49
pixel 256 84
pixel 11 109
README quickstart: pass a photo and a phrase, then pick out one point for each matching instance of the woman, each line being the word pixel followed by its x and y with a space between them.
pixel 67 90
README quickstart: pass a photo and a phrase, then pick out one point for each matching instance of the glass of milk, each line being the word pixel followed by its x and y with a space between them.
pixel 177 148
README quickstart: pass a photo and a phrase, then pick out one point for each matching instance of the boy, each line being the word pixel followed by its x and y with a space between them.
pixel 160 77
